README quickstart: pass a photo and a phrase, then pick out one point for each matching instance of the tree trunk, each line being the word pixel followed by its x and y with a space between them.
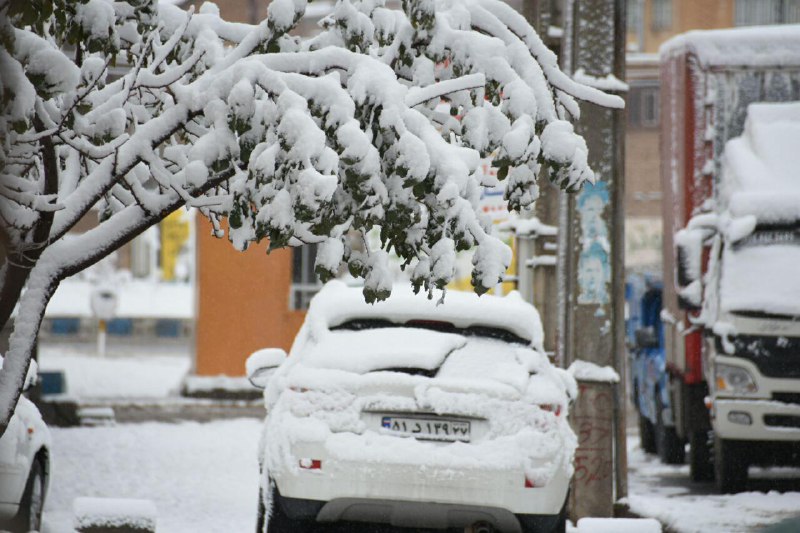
pixel 42 283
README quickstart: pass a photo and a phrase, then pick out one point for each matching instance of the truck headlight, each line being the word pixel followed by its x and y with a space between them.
pixel 734 379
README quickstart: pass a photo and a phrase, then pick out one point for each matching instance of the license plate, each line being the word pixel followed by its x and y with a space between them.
pixel 427 428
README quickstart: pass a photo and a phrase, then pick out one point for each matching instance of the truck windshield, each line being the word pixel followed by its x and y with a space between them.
pixel 759 273
pixel 766 235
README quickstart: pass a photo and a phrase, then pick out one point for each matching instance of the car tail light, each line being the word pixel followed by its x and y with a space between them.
pixel 552 407
pixel 310 464
pixel 529 484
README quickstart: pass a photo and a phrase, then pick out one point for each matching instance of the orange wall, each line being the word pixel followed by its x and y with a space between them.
pixel 243 303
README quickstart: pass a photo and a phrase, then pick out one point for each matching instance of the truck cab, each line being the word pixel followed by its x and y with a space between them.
pixel 739 270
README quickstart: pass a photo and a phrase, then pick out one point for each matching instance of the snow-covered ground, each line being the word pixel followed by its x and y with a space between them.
pixel 129 371
pixel 664 492
pixel 202 477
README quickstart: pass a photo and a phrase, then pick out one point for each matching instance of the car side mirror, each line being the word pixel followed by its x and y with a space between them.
pixel 646 338
pixel 262 364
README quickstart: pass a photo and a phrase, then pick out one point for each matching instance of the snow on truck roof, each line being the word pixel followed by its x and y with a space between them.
pixel 761 168
pixel 337 303
pixel 756 45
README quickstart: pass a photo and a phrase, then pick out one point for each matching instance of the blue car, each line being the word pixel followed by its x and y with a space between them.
pixel 649 387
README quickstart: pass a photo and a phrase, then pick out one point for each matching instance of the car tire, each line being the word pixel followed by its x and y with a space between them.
pixel 647 436
pixel 669 445
pixel 730 466
pixel 545 523
pixel 261 516
pixel 278 521
pixel 29 517
pixel 701 467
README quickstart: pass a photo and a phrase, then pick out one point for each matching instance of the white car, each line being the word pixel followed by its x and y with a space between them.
pixel 415 414
pixel 24 465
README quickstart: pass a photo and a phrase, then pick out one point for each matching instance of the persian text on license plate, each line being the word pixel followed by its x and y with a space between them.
pixel 427 428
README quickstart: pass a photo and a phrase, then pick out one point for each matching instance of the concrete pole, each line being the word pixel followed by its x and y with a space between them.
pixel 591 248
pixel 540 14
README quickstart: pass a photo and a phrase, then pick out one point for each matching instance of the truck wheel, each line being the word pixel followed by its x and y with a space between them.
pixel 670 447
pixel 647 435
pixel 700 466
pixel 730 465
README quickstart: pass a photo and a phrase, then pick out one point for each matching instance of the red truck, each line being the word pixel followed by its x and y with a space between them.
pixel 708 80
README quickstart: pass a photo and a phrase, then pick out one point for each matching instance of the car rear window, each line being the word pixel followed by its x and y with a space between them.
pixel 358 324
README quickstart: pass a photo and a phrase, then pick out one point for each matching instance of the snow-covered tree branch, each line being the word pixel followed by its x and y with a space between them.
pixel 378 122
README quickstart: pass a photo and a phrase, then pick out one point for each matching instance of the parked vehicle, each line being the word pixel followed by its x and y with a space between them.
pixel 649 384
pixel 24 465
pixel 749 296
pixel 708 79
pixel 415 414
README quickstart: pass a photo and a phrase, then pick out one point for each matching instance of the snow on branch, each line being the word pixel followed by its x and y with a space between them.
pixel 378 122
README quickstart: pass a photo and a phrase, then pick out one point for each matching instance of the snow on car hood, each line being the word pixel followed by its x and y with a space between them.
pixel 382 348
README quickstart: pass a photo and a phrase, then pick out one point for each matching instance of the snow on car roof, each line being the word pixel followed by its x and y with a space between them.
pixel 756 45
pixel 337 303
pixel 760 167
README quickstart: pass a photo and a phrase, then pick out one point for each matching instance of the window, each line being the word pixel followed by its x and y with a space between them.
pixel 759 12
pixel 662 15
pixel 643 105
pixel 305 283
pixel 634 16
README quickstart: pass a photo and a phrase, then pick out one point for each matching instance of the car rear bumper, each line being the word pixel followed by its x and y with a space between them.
pixel 402 494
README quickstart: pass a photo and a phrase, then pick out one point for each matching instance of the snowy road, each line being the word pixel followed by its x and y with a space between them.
pixel 664 492
pixel 203 477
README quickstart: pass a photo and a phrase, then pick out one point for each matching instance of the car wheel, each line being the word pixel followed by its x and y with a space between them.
pixel 29 517
pixel 670 447
pixel 647 434
pixel 261 516
pixel 545 523
pixel 730 465
pixel 700 466
pixel 277 521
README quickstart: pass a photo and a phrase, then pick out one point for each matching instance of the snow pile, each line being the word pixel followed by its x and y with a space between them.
pixel 764 45
pixel 114 513
pixel 618 525
pixel 588 371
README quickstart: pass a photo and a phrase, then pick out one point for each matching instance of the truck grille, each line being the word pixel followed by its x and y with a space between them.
pixel 787 397
pixel 775 357
pixel 782 421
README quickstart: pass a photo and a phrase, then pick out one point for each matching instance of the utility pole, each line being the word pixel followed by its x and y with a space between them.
pixel 591 261
pixel 538 251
